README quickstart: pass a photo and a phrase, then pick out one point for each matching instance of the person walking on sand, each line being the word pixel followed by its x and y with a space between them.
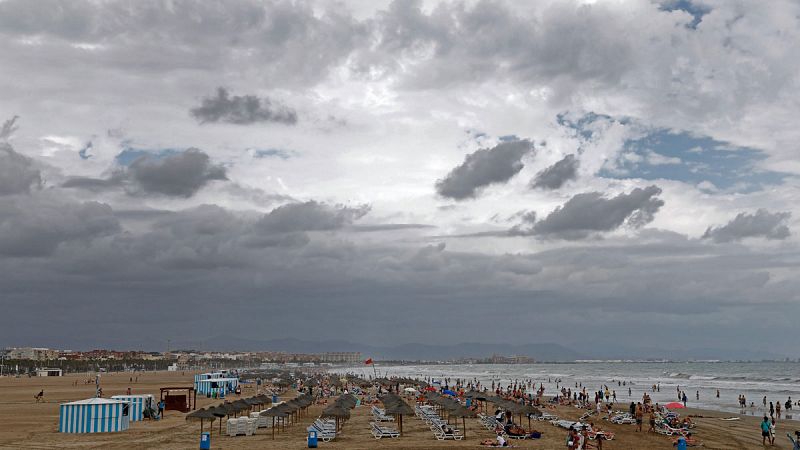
pixel 684 399
pixel 652 418
pixel 772 431
pixel 765 430
pixel 639 417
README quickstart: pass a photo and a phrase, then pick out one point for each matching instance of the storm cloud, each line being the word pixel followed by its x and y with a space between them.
pixel 762 224
pixel 242 110
pixel 174 175
pixel 592 212
pixel 36 225
pixel 483 168
pixel 179 175
pixel 556 175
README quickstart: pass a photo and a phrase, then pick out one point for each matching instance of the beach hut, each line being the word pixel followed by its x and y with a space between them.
pixel 95 415
pixel 138 404
pixel 216 387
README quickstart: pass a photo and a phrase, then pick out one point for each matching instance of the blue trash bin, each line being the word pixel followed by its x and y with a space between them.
pixel 274 398
pixel 469 402
pixel 312 439
pixel 205 441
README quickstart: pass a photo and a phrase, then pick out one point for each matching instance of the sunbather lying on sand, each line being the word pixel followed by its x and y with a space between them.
pixel 500 442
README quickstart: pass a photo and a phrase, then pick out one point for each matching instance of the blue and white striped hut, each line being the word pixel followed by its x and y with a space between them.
pixel 216 387
pixel 95 415
pixel 138 404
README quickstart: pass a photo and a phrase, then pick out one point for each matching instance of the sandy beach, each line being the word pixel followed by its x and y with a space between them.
pixel 26 424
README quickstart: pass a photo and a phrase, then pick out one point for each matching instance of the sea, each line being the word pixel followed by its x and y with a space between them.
pixel 777 381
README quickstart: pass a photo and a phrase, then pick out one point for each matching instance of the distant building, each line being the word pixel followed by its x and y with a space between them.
pixel 32 353
pixel 49 372
pixel 341 357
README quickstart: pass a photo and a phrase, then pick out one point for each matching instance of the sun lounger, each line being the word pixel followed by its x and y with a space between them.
pixel 442 435
pixel 323 434
pixel 379 432
pixel 547 416
pixel 380 415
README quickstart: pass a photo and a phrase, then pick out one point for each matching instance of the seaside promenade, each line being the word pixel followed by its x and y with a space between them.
pixel 27 424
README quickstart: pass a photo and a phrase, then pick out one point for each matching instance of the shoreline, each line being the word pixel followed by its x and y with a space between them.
pixel 778 390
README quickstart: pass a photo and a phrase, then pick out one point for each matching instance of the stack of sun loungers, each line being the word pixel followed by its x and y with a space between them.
pixel 242 426
pixel 325 428
pixel 441 429
pixel 380 415
pixel 379 431
pixel 261 421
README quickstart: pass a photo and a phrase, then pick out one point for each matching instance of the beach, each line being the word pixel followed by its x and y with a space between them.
pixel 26 424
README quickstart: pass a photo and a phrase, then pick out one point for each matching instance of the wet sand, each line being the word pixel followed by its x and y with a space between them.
pixel 26 424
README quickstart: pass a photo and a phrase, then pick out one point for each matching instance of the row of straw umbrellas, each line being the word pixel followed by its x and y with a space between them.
pixel 450 408
pixel 289 411
pixel 520 409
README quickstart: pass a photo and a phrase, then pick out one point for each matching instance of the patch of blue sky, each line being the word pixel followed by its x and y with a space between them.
pixel 85 152
pixel 508 138
pixel 696 10
pixel 272 153
pixel 130 154
pixel 680 156
pixel 585 124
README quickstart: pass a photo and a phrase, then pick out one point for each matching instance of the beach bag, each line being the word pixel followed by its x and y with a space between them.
pixel 536 435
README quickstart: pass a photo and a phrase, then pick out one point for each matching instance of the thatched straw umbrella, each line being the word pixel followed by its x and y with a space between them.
pixel 529 410
pixel 338 413
pixel 398 408
pixel 219 413
pixel 201 415
pixel 463 413
pixel 273 412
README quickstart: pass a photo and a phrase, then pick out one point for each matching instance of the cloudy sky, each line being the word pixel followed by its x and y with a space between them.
pixel 586 172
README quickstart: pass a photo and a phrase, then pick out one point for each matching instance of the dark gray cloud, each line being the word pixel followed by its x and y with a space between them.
pixel 176 175
pixel 760 224
pixel 310 216
pixel 591 212
pixel 242 110
pixel 18 173
pixel 484 167
pixel 37 225
pixel 180 175
pixel 556 175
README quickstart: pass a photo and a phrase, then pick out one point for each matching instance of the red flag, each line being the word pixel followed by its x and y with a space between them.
pixel 368 361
